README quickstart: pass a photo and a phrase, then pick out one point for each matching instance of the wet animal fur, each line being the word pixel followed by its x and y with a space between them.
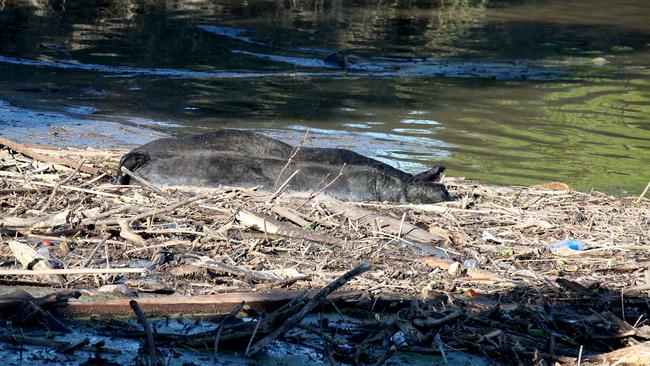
pixel 243 158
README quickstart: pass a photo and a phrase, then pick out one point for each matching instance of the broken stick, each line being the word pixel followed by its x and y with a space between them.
pixel 311 305
pixel 147 331
pixel 269 225
pixel 18 147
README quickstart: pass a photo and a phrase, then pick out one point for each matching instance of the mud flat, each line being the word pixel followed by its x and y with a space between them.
pixel 338 282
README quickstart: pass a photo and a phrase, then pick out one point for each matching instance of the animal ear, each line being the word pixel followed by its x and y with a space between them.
pixel 432 175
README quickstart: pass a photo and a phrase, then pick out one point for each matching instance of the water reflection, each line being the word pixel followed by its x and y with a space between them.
pixel 507 91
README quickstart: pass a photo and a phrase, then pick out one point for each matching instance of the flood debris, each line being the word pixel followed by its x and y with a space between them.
pixel 249 271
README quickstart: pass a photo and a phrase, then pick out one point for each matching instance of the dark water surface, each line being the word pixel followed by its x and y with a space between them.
pixel 514 92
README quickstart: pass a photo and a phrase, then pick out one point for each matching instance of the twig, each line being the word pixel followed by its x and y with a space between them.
pixel 316 193
pixel 94 251
pixel 209 263
pixel 282 187
pixel 144 182
pixel 250 341
pixel 293 154
pixel 66 180
pixel 647 187
pixel 70 188
pixel 157 246
pixel 232 313
pixel 115 211
pixel 438 342
pixel 147 330
pixel 580 356
pixel 69 348
pixel 269 225
pixel 311 304
pixel 401 226
pixel 90 182
pixel 155 211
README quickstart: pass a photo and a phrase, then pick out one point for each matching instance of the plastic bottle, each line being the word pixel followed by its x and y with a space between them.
pixel 568 245
pixel 44 251
pixel 470 263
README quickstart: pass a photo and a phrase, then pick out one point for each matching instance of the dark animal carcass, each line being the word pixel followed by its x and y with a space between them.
pixel 242 158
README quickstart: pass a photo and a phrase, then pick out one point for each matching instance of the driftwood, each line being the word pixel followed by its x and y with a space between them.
pixel 142 319
pixel 311 304
pixel 20 307
pixel 272 226
pixel 149 213
pixel 39 222
pixel 418 238
pixel 35 263
pixel 126 233
pixel 503 293
pixel 197 304
pixel 60 346
pixel 637 355
pixel 259 276
pixel 18 147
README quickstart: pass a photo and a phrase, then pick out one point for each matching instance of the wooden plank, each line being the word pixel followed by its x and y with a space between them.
pixel 69 271
pixel 202 304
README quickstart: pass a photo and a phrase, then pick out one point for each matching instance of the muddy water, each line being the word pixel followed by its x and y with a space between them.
pixel 510 92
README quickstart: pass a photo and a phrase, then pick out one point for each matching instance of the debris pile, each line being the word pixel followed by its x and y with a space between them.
pixel 514 274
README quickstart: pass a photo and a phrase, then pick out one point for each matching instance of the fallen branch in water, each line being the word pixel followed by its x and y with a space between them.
pixel 315 301
pixel 142 319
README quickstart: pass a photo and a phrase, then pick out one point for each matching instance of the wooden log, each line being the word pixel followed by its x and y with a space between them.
pixel 18 147
pixel 202 304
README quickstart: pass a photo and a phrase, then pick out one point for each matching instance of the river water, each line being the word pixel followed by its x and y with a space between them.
pixel 509 92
